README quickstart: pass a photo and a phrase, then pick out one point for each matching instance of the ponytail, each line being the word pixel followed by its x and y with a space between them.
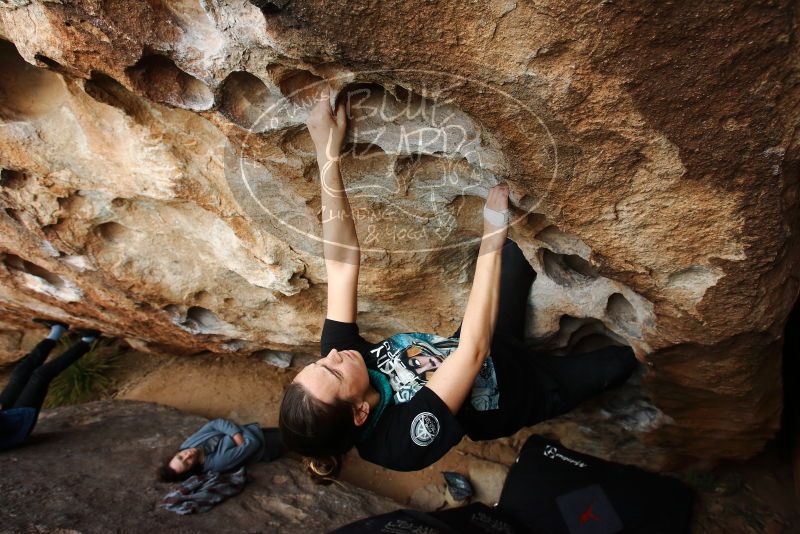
pixel 323 470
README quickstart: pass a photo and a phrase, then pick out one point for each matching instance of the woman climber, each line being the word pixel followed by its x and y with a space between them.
pixel 405 401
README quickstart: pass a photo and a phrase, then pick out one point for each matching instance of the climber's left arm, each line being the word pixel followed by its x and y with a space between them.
pixel 340 241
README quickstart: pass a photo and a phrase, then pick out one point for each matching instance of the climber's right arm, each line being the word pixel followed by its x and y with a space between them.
pixel 340 241
pixel 453 380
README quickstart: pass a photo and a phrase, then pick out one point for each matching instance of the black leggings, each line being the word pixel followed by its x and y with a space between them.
pixel 27 387
pixel 274 448
pixel 578 376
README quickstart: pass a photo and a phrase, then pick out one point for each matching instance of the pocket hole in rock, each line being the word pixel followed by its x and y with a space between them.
pixel 41 280
pixel 580 265
pixel 272 7
pixel 174 312
pixel 246 100
pixel 622 313
pixel 588 339
pixel 49 63
pixel 205 321
pixel 555 239
pixel 203 297
pixel 144 306
pixel 300 86
pixel 14 214
pixel 364 99
pixel 12 179
pixel 15 263
pixel 566 269
pixel 107 90
pixel 577 335
pixel 234 345
pixel 27 91
pixel 111 231
pixel 198 320
pixel 162 81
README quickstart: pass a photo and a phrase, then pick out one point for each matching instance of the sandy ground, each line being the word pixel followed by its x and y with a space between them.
pixel 90 469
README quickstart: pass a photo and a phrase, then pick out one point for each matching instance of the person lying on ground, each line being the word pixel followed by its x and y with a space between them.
pixel 405 401
pixel 22 398
pixel 221 445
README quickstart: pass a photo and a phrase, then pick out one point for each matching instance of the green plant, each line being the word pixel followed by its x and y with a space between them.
pixel 84 379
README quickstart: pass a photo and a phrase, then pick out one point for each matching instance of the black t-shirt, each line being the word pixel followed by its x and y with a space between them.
pixel 418 428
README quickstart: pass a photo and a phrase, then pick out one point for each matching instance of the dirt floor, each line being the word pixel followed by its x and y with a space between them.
pixel 756 496
pixel 90 469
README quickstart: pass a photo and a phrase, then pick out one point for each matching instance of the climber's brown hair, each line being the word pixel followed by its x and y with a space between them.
pixel 317 430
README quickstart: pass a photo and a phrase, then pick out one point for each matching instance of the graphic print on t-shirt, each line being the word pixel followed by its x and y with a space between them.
pixel 409 359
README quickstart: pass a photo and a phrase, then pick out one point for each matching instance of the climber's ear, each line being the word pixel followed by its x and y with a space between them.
pixel 360 413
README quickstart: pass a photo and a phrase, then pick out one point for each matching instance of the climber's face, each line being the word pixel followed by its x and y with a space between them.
pixel 184 460
pixel 342 375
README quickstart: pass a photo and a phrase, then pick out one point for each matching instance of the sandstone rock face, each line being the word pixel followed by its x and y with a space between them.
pixel 158 182
pixel 91 468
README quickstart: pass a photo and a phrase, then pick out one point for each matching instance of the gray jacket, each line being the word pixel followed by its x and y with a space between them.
pixel 227 455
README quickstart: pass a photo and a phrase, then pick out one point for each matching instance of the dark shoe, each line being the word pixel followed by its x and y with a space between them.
pixel 50 324
pixel 87 332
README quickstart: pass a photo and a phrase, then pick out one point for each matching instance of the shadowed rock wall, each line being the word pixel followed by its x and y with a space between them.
pixel 158 182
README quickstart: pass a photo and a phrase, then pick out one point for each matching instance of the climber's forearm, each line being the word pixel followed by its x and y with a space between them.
pixel 338 227
pixel 480 315
pixel 453 380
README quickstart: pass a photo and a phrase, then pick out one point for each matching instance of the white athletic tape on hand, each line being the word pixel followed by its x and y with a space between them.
pixel 496 218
